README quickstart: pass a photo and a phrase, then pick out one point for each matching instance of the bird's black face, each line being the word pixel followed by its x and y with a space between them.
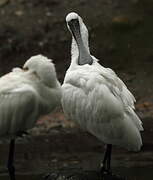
pixel 84 56
pixel 75 28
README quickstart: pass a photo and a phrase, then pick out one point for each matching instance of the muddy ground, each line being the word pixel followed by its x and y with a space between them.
pixel 121 37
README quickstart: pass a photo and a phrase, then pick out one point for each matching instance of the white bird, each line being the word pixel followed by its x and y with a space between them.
pixel 96 99
pixel 25 95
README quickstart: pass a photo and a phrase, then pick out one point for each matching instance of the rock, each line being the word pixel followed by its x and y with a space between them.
pixel 125 22
pixel 3 2
pixel 19 13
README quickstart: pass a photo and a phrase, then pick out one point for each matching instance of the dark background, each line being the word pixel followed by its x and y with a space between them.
pixel 121 37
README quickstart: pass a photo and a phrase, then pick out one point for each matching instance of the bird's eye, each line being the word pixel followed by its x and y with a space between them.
pixel 25 68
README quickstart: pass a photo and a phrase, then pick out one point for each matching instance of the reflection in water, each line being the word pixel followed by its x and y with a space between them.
pixel 144 173
pixel 72 148
pixel 23 177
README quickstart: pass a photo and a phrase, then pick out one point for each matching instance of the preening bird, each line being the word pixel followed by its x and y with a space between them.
pixel 97 99
pixel 25 95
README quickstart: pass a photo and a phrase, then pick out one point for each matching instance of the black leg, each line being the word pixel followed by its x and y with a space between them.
pixel 10 162
pixel 109 157
pixel 106 168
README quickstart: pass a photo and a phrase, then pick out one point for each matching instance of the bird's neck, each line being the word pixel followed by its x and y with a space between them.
pixel 79 50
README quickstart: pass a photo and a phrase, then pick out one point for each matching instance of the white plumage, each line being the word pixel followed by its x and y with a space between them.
pixel 26 94
pixel 95 97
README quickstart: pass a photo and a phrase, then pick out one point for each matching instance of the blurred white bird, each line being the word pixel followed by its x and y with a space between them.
pixel 25 95
pixel 95 98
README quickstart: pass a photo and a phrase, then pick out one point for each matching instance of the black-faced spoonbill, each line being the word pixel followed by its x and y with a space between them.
pixel 95 98
pixel 25 95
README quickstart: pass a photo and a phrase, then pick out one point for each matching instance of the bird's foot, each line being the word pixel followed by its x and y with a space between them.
pixel 104 170
pixel 112 177
pixel 11 170
pixel 106 174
